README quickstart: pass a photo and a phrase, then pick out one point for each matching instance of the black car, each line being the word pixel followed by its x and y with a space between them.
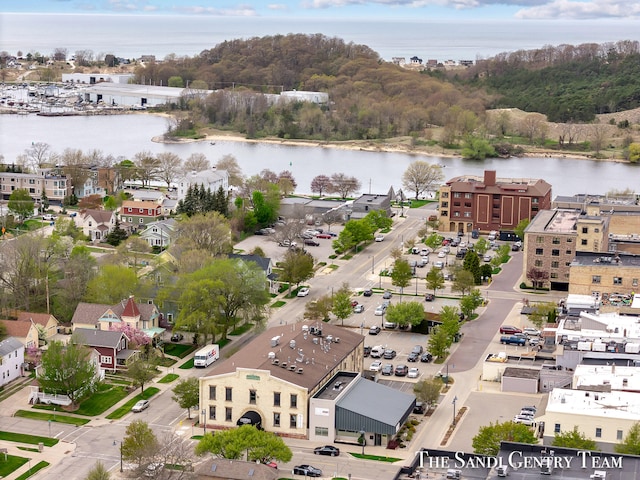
pixel 368 292
pixel 389 354
pixel 177 337
pixel 387 369
pixel 413 357
pixel 429 297
pixel 426 357
pixel 419 408
pixel 327 450
pixel 307 470
pixel 311 242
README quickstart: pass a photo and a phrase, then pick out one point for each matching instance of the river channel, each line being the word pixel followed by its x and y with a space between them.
pixel 125 135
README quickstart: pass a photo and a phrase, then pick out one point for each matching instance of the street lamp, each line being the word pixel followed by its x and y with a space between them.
pixel 455 399
pixel 373 259
pixel 115 442
pixel 363 441
pixel 204 420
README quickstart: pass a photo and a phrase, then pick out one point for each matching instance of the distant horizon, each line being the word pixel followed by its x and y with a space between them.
pixel 348 9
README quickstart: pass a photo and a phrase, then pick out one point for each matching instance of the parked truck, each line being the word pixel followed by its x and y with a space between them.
pixel 513 340
pixel 206 356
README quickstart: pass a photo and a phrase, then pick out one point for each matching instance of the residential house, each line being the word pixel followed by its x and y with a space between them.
pixel 141 316
pixel 11 360
pixel 25 332
pixel 45 322
pixel 51 182
pixel 91 185
pixel 111 345
pixel 137 215
pixel 97 224
pixel 160 234
pixel 263 262
pixel 211 180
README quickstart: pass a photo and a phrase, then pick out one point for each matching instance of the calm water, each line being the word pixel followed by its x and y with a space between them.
pixel 132 36
pixel 125 135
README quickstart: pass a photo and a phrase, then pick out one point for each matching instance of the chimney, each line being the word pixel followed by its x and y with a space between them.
pixel 489 178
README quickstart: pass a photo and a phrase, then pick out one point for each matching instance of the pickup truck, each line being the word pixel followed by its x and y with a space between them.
pixel 513 340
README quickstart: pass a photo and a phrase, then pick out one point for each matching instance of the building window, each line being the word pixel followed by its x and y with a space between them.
pixel 276 399
pixel 617 280
pixel 539 251
pixel 467 195
pixel 598 432
pixel 597 230
pixel 444 194
pixel 555 241
pixel 538 263
pixel 445 204
pixel 294 400
pixel 467 214
pixel 554 275
pixel 228 394
pixel 276 419
pixel 569 252
pixel 293 420
pixel 583 241
pixel 105 359
pixel 456 214
pixel 555 253
pixel 585 229
pixel 539 239
pixel 228 413
pixel 467 204
pixel 634 282
pixel 212 412
pixel 595 279
pixel 556 428
pixel 455 194
pixel 444 213
pixel 618 435
pixel 212 392
pixel 252 397
pixel 555 264
pixel 569 240
pixel 322 431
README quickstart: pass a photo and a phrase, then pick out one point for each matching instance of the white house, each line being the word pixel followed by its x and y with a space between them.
pixel 11 360
pixel 211 179
pixel 97 224
pixel 160 233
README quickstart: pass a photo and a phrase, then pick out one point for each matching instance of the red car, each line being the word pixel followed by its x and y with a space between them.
pixel 323 235
pixel 354 303
pixel 509 330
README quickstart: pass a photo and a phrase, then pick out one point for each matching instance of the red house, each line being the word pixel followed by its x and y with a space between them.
pixel 110 345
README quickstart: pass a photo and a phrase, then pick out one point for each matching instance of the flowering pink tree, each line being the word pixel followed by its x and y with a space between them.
pixel 136 336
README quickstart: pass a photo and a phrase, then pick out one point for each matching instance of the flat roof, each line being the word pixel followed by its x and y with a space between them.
pixel 554 221
pixel 617 404
pixel 526 373
pixel 336 386
pixel 604 260
pixel 614 376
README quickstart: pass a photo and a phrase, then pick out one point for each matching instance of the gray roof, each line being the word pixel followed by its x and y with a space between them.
pixel 383 405
pixel 262 262
pixel 9 345
pixel 99 338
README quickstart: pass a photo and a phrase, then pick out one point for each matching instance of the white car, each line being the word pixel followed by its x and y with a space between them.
pixel 140 406
pixel 439 265
pixel 413 372
pixel 531 332
pixel 441 254
pixel 379 311
pixel 376 366
pixel 524 420
pixel 379 238
pixel 303 292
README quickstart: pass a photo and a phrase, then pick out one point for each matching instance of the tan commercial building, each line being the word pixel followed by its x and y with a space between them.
pixel 606 276
pixel 47 181
pixel 270 381
pixel 490 203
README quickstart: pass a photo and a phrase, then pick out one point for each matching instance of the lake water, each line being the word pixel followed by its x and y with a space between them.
pixel 125 135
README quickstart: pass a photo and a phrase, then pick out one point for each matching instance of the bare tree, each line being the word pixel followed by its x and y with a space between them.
pixel 534 127
pixel 230 165
pixel 598 136
pixel 321 183
pixel 147 167
pixel 169 166
pixel 421 177
pixel 84 57
pixel 60 54
pixel 75 167
pixel 344 185
pixel 39 155
pixel 196 162
pixel 289 232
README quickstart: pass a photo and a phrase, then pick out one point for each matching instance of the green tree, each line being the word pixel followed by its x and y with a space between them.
pixel 481 246
pixel 469 303
pixel 450 321
pixel 342 303
pixel 296 267
pixel 98 472
pixel 631 443
pixel 475 148
pixel 439 342
pixel 401 275
pixel 111 285
pixel 405 313
pixel 68 370
pixel 428 391
pixel 487 441
pixel 117 235
pixel 140 444
pixel 574 439
pixel 471 263
pixel 187 394
pixel 379 220
pixel 133 250
pixel 209 232
pixel 245 441
pixel 141 372
pixel 433 240
pixel 435 279
pixel 176 81
pixel 544 312
pixel 463 282
pixel 318 309
pixel 355 232
pixel 521 227
pixel 21 204
pixel 633 152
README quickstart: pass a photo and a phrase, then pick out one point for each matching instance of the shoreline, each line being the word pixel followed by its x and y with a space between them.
pixel 366 146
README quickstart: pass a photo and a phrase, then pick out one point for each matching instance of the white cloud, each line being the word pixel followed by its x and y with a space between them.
pixel 277 6
pixel 571 9
pixel 457 4
pixel 239 11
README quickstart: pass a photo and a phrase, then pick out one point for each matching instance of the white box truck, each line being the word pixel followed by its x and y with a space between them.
pixel 206 356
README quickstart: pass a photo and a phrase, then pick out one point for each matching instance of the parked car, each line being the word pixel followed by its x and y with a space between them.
pixel 387 295
pixel 429 297
pixel 442 254
pixel 531 332
pixel 380 238
pixel 419 408
pixel 153 469
pixel 387 369
pixel 446 249
pixel 374 330
pixel 390 325
pixel 367 351
pixel 417 349
pixel 509 329
pixel 524 420
pixel 413 357
pixel 401 370
pixel 358 308
pixel 376 366
pixel 177 337
pixel 303 292
pixel 140 406
pixel 426 357
pixel 307 470
pixel 530 408
pixel 389 354
pixel 323 235
pixel 379 311
pixel 515 248
pixel 311 242
pixel 329 450
pixel 513 340
pixel 49 217
pixel 414 372
pixel 368 292
pixel 487 258
pixel 438 264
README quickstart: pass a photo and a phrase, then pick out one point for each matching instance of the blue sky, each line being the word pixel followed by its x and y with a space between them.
pixel 383 9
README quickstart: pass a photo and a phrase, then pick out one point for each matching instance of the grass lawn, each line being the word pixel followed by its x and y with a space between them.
pixel 169 378
pixel 26 438
pixel 378 458
pixel 126 408
pixel 187 365
pixel 242 329
pixel 179 350
pixel 11 464
pixel 102 401
pixel 165 361
pixel 279 303
pixel 39 466
pixel 53 417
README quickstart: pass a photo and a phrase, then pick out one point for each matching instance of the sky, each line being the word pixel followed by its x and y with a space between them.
pixel 382 9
